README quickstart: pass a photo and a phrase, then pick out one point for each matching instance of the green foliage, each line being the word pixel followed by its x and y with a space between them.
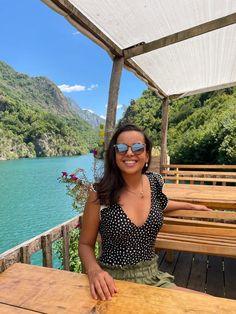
pixel 74 262
pixel 202 128
pixel 146 113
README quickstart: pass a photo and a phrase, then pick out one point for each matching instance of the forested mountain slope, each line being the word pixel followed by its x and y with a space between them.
pixel 36 119
pixel 202 128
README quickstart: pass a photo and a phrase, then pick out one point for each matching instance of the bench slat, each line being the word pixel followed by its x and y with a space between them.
pixel 204 173
pixel 229 215
pixel 204 179
pixel 169 166
pixel 224 232
pixel 190 223
pixel 198 239
pixel 195 247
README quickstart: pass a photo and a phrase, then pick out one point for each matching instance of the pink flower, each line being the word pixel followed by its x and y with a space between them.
pixel 73 177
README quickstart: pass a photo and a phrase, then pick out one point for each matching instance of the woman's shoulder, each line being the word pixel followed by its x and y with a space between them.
pixel 156 177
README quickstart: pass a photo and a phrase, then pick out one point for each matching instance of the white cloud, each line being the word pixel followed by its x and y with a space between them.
pixel 76 33
pixel 76 88
pixel 103 117
pixel 73 88
pixel 93 86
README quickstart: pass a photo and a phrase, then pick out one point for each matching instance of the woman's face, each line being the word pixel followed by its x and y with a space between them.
pixel 131 162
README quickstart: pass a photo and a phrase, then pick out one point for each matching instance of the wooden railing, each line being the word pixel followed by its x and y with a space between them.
pixel 200 174
pixel 22 252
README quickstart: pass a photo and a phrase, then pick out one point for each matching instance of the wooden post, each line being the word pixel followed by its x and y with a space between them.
pixel 164 128
pixel 46 242
pixel 24 254
pixel 2 265
pixel 113 98
pixel 169 257
pixel 66 247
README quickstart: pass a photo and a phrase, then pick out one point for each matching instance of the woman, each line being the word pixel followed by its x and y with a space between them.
pixel 126 207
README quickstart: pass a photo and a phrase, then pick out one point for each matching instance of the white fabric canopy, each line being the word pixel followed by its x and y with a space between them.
pixel 201 63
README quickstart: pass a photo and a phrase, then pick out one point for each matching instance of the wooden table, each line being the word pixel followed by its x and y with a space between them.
pixel 223 197
pixel 32 289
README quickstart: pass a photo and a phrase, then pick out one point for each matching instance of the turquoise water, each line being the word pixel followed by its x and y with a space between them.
pixel 31 198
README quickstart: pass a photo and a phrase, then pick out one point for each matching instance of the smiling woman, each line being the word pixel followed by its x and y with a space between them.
pixel 126 207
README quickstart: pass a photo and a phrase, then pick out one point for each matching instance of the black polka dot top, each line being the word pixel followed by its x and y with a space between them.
pixel 124 243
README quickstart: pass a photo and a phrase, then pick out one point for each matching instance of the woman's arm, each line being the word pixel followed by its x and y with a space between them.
pixel 173 205
pixel 101 283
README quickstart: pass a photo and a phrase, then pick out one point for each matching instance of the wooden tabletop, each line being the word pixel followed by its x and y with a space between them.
pixel 210 195
pixel 32 289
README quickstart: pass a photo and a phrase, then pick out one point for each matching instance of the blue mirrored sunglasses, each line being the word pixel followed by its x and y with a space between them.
pixel 137 148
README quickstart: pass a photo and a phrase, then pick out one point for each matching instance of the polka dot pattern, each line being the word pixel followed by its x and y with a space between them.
pixel 124 243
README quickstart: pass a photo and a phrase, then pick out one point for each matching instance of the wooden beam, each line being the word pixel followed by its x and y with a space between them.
pixel 164 128
pixel 179 36
pixel 113 98
pixel 132 66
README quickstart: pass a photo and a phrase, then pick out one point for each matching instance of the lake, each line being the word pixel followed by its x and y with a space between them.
pixel 31 198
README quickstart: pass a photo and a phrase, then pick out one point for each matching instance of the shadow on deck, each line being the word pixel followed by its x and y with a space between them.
pixel 211 274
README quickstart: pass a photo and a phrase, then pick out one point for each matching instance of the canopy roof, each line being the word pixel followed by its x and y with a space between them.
pixel 178 47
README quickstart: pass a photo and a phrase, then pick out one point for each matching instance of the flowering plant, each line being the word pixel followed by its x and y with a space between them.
pixel 78 187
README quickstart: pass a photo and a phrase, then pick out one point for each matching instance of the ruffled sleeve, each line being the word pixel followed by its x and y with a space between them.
pixel 157 186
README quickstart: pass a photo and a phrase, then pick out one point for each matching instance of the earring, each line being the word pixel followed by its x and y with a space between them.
pixel 146 164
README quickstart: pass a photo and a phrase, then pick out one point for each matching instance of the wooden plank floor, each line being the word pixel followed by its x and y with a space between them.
pixel 211 274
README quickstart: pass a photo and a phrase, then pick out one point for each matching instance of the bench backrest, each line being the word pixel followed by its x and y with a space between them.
pixel 200 174
pixel 204 232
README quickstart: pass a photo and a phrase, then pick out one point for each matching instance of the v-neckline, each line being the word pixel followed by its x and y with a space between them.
pixel 150 210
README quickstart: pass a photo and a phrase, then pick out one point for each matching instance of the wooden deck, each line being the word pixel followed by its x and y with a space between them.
pixel 211 274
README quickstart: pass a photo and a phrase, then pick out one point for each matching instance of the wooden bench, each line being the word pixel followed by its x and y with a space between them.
pixel 200 174
pixel 212 233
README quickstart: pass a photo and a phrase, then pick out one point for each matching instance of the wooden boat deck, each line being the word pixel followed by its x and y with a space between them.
pixel 211 274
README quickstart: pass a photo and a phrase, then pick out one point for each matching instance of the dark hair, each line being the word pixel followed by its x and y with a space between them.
pixel 108 189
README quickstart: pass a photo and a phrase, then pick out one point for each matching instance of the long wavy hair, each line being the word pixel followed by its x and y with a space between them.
pixel 109 187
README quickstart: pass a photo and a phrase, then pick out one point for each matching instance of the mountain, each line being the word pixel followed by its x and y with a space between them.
pixel 36 119
pixel 92 118
pixel 33 91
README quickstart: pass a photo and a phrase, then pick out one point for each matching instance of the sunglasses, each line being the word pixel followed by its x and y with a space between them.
pixel 137 148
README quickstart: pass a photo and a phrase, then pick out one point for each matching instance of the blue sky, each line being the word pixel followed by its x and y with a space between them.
pixel 37 41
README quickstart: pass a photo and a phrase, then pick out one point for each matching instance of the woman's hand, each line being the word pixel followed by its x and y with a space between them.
pixel 102 285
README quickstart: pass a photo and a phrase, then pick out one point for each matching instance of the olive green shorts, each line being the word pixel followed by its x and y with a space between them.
pixel 146 272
